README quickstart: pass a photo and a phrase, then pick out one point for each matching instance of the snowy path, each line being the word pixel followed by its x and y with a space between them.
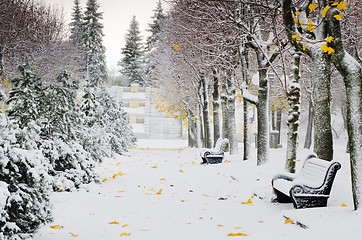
pixel 165 194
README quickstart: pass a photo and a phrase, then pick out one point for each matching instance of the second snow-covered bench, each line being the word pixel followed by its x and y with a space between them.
pixel 308 188
pixel 216 154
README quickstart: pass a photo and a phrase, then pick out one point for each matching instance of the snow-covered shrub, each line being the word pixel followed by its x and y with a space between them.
pixel 108 128
pixel 24 185
pixel 53 107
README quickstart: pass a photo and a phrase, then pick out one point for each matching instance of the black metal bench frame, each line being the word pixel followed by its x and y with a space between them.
pixel 302 192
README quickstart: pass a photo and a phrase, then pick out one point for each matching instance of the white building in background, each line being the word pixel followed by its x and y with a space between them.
pixel 144 118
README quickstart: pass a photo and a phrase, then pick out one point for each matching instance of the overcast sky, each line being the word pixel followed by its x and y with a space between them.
pixel 117 15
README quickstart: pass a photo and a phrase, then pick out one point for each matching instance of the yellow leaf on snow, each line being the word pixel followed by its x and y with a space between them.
pixel 236 234
pixel 159 192
pixel 288 220
pixel 126 225
pixel 163 179
pixel 248 202
pixel 237 227
pixel 125 234
pixel 104 180
pixel 73 235
pixel 114 222
pixel 343 205
pixel 145 230
pixel 121 174
pixel 181 170
pixel 56 227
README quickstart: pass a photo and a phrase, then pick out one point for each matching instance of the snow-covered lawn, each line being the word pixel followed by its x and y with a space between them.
pixel 159 191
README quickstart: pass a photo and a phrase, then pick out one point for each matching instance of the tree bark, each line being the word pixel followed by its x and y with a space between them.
pixel 262 112
pixel 308 137
pixel 233 142
pixel 351 72
pixel 198 127
pixel 206 116
pixel 293 96
pixel 246 135
pixel 323 138
pixel 216 107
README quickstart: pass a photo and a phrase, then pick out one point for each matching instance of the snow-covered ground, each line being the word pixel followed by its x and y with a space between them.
pixel 159 191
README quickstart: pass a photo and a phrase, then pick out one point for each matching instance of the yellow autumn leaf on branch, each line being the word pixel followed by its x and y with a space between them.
pixel 325 48
pixel 338 17
pixel 330 39
pixel 342 5
pixel 310 26
pixel 296 19
pixel 304 47
pixel 325 10
pixel 236 234
pixel 297 13
pixel 312 6
pixel 295 35
pixel 335 4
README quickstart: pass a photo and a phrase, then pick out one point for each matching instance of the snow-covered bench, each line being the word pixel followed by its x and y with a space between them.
pixel 216 154
pixel 308 188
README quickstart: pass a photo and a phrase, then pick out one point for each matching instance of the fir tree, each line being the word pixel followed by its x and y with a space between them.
pixel 93 44
pixel 155 26
pixel 155 30
pixel 76 24
pixel 132 62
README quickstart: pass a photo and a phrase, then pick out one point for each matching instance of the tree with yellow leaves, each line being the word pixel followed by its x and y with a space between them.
pixel 325 45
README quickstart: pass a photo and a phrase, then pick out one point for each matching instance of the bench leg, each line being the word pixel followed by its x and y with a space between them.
pixel 281 197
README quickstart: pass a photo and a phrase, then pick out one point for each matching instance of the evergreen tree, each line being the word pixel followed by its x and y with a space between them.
pixel 76 24
pixel 155 26
pixel 132 62
pixel 24 188
pixel 93 44
pixel 155 30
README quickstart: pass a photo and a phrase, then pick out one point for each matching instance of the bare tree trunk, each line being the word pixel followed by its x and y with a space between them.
pixel 279 126
pixel 351 72
pixel 198 127
pixel 323 138
pixel 308 137
pixel 246 137
pixel 224 110
pixel 263 115
pixel 191 130
pixel 233 142
pixel 216 107
pixel 206 116
pixel 293 95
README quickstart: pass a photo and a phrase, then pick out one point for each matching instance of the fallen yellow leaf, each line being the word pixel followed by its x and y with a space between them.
pixel 126 225
pixel 220 225
pixel 237 227
pixel 121 191
pixel 159 192
pixel 125 234
pixel 114 176
pixel 188 223
pixel 288 220
pixel 145 230
pixel 163 179
pixel 56 227
pixel 153 166
pixel 181 171
pixel 73 235
pixel 236 234
pixel 343 205
pixel 104 180
pixel 114 222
